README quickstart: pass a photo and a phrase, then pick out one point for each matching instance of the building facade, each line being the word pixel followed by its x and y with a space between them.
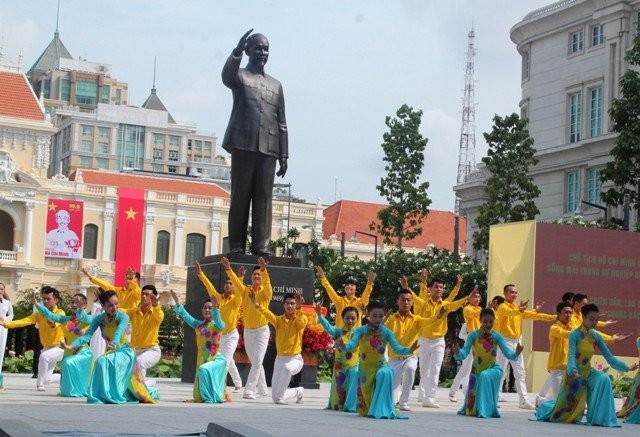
pixel 572 60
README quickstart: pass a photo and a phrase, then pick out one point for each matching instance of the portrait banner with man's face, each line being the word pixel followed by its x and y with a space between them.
pixel 64 228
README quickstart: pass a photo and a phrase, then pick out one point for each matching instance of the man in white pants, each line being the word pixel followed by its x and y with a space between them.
pixel 289 330
pixel 6 313
pixel 145 326
pixel 256 329
pixel 471 314
pixel 509 316
pixel 405 326
pixel 51 334
pixel 229 304
pixel 431 341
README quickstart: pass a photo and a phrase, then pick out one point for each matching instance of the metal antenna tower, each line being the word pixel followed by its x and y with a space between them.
pixel 467 156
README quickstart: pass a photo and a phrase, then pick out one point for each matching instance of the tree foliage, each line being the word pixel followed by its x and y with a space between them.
pixel 404 157
pixel 624 169
pixel 510 191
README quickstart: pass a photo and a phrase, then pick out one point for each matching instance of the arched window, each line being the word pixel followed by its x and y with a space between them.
pixel 162 247
pixel 195 248
pixel 90 242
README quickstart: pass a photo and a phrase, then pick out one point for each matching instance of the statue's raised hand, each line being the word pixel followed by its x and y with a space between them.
pixel 242 44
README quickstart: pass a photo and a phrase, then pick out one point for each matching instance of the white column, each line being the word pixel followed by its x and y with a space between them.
pixel 148 238
pixel 107 232
pixel 28 230
pixel 178 245
pixel 214 246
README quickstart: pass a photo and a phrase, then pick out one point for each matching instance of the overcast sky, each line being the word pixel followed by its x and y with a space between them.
pixel 344 66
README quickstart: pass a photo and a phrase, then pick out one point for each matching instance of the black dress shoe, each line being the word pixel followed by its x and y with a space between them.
pixel 34 376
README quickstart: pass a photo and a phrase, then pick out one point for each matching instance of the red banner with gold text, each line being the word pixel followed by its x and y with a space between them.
pixel 129 231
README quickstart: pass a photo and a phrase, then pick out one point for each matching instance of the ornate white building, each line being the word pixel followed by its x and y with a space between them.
pixel 572 60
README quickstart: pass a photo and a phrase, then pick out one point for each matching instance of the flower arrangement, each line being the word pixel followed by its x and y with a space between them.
pixel 315 339
pixel 240 346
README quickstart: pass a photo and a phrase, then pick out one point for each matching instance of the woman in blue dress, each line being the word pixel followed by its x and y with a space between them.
pixel 114 379
pixel 211 374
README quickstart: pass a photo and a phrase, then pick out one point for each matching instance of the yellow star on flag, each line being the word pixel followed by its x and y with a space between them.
pixel 52 206
pixel 131 214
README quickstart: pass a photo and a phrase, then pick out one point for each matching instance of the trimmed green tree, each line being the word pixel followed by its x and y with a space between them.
pixel 510 190
pixel 624 169
pixel 407 199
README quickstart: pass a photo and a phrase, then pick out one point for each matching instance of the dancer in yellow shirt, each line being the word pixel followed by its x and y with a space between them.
pixel 129 296
pixel 289 329
pixel 349 299
pixel 51 334
pixel 471 314
pixel 406 327
pixel 145 326
pixel 509 316
pixel 256 330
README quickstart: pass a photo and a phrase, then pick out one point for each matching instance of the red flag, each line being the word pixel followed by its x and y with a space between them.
pixel 129 232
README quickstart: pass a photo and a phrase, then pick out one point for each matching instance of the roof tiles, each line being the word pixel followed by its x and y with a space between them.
pixel 17 98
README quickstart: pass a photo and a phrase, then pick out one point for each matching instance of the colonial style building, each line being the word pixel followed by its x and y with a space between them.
pixel 572 60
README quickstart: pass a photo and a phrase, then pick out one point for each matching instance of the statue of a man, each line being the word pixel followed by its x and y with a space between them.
pixel 256 137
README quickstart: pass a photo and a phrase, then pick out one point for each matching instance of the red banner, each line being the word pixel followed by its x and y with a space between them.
pixel 64 228
pixel 129 232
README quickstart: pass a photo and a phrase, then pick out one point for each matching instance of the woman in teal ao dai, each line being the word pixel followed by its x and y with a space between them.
pixel 114 379
pixel 583 385
pixel 375 377
pixel 483 389
pixel 630 410
pixel 211 374
pixel 344 383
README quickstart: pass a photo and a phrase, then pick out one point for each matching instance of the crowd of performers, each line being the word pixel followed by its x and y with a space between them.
pixel 105 354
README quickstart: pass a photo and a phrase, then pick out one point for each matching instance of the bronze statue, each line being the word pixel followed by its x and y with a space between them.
pixel 256 138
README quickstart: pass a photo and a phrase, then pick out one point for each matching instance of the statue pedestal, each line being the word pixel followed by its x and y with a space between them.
pixel 286 277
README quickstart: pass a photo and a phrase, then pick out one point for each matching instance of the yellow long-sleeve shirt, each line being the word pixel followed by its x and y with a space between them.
pixel 341 302
pixel 406 329
pixel 145 326
pixel 50 336
pixel 128 297
pixel 471 314
pixel 288 331
pixel 509 319
pixel 229 305
pixel 430 309
pixel 558 346
pixel 251 317
pixel 423 294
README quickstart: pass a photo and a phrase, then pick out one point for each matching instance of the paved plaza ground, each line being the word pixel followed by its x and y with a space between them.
pixel 54 415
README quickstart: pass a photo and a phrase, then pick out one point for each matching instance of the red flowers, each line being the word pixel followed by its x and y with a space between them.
pixel 314 340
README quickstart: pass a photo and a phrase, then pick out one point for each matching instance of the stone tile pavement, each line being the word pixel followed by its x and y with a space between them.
pixel 54 415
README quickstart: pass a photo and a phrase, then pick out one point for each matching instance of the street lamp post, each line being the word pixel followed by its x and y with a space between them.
pixel 375 238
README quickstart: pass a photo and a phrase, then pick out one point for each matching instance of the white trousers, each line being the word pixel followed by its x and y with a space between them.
pixel 147 358
pixel 431 354
pixel 552 383
pixel 3 344
pixel 256 342
pixel 49 357
pixel 228 344
pixel 283 369
pixel 462 377
pixel 518 369
pixel 404 373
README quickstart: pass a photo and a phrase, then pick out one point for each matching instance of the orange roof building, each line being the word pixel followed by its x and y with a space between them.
pixel 349 216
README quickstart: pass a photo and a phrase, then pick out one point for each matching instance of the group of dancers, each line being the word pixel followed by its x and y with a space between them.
pixel 375 363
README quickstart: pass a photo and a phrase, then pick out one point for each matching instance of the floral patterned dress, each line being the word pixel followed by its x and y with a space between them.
pixel 211 375
pixel 483 389
pixel 75 368
pixel 344 383
pixel 375 377
pixel 630 410
pixel 591 387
